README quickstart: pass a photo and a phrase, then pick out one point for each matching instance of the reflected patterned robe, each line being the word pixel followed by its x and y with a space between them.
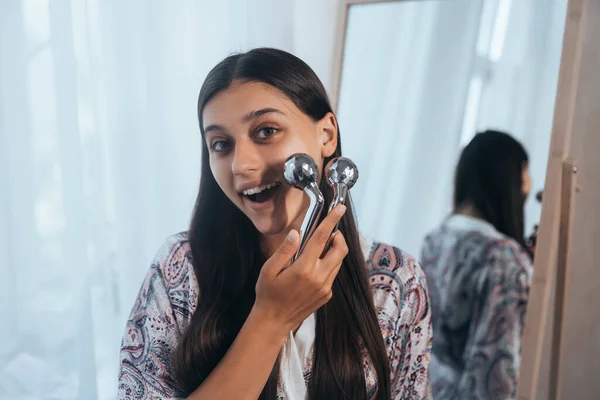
pixel 169 295
pixel 479 284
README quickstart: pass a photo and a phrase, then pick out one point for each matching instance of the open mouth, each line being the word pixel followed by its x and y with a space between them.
pixel 263 193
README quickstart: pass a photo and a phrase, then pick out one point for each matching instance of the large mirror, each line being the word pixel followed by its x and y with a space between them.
pixel 413 83
pixel 416 79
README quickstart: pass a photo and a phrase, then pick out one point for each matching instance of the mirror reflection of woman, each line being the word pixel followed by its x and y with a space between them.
pixel 478 270
pixel 223 315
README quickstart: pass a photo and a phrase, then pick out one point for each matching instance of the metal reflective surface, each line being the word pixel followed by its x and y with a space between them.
pixel 301 172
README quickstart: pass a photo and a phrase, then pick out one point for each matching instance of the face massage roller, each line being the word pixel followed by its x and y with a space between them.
pixel 301 172
pixel 342 174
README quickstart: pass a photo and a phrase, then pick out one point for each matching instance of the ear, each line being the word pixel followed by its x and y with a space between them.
pixel 525 180
pixel 328 130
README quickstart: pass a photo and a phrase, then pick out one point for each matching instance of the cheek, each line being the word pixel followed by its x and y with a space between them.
pixel 277 155
pixel 304 143
pixel 222 173
pixel 296 204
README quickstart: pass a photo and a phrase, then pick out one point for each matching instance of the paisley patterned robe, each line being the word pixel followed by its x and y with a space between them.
pixel 169 295
pixel 479 285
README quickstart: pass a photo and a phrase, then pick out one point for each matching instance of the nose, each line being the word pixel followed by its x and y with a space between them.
pixel 246 158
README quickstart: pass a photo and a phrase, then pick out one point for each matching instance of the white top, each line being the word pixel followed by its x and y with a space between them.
pixel 296 352
pixel 298 349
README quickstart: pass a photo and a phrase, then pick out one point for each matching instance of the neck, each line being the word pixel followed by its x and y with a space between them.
pixel 270 243
pixel 468 210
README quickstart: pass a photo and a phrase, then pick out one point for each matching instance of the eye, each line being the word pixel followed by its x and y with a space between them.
pixel 219 146
pixel 266 133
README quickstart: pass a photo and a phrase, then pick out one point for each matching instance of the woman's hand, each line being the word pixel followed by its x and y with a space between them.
pixel 287 294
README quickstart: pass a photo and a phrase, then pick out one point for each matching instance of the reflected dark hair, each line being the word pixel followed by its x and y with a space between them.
pixel 489 176
pixel 227 259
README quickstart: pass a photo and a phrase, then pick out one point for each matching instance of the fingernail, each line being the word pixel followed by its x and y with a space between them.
pixel 340 209
pixel 291 235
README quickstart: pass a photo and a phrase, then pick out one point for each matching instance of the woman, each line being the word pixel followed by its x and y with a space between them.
pixel 478 270
pixel 221 301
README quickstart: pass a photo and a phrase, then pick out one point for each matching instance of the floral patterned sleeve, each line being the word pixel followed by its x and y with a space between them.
pixel 149 339
pixel 411 380
pixel 402 303
pixel 493 349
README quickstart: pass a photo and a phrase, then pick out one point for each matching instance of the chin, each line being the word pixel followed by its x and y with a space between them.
pixel 269 228
pixel 281 219
pixel 277 225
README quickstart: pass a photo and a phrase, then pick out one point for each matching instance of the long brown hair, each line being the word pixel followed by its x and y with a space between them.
pixel 489 176
pixel 227 260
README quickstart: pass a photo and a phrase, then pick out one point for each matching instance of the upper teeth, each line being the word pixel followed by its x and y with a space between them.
pixel 258 189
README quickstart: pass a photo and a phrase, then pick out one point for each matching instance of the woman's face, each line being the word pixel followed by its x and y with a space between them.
pixel 250 130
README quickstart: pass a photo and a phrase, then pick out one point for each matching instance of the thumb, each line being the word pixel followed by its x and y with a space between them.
pixel 281 258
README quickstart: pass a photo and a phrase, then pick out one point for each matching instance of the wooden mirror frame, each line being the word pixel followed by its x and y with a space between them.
pixel 340 41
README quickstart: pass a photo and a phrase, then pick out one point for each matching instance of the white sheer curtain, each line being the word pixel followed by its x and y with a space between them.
pixel 419 78
pixel 99 163
pixel 518 71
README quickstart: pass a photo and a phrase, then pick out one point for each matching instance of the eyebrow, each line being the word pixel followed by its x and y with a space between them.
pixel 211 128
pixel 258 113
pixel 247 118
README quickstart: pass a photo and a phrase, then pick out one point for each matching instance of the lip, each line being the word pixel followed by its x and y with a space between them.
pixel 267 205
pixel 253 184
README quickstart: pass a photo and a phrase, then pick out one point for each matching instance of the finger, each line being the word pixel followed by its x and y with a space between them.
pixel 333 274
pixel 317 242
pixel 335 256
pixel 327 245
pixel 282 256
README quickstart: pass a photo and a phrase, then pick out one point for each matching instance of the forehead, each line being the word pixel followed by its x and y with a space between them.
pixel 240 98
